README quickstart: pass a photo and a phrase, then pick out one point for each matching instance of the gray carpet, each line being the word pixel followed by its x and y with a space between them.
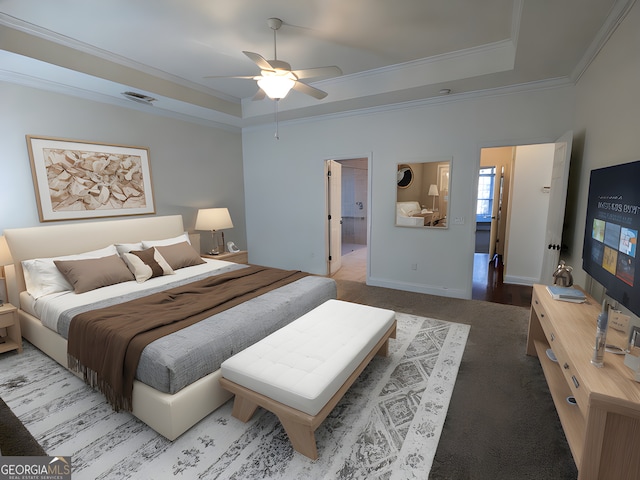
pixel 501 423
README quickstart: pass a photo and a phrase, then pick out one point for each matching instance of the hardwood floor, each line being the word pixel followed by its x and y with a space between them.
pixel 488 282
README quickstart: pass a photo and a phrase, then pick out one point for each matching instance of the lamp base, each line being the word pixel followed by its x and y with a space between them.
pixel 216 248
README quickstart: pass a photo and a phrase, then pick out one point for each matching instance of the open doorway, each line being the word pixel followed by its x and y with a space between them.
pixel 492 204
pixel 494 177
pixel 518 244
pixel 353 219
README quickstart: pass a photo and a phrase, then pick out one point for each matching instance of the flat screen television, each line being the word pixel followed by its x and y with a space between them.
pixel 611 233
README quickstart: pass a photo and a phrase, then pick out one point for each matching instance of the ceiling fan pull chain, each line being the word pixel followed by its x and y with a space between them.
pixel 277 135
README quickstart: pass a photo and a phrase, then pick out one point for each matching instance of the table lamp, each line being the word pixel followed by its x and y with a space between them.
pixel 433 191
pixel 214 219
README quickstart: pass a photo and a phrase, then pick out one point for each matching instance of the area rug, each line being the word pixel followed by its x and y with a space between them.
pixel 387 425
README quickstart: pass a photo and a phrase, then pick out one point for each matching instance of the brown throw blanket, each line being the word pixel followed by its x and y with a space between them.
pixel 105 344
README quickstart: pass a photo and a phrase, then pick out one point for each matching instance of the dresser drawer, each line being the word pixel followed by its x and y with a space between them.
pixel 571 377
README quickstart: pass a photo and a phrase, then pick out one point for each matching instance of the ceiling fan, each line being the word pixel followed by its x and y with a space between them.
pixel 276 78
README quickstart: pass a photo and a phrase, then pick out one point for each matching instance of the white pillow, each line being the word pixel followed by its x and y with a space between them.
pixel 127 247
pixel 42 277
pixel 167 241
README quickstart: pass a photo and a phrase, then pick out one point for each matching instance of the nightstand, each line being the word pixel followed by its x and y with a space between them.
pixel 10 334
pixel 237 257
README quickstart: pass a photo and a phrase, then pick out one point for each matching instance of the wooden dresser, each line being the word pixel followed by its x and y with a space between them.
pixel 603 430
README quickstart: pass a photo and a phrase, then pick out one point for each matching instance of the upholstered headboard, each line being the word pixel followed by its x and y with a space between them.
pixel 55 240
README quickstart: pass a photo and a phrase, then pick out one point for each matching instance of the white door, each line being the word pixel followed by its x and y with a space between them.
pixel 557 202
pixel 333 174
pixel 495 212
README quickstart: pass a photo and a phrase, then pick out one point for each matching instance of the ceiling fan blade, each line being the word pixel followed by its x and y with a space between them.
pixel 260 95
pixel 259 61
pixel 331 71
pixel 246 77
pixel 309 90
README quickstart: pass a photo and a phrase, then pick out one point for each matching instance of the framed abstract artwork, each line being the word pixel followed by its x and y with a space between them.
pixel 79 180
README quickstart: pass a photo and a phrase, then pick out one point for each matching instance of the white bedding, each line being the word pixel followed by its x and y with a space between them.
pixel 49 307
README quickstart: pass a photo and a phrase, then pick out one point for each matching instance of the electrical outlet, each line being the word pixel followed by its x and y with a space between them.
pixel 458 220
pixel 414 266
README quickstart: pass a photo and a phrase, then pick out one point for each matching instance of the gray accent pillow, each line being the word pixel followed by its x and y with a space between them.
pixel 91 273
pixel 180 255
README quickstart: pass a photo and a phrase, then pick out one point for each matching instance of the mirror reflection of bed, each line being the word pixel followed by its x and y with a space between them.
pixel 422 194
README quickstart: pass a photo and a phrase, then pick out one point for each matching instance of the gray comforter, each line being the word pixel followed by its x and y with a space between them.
pixel 177 360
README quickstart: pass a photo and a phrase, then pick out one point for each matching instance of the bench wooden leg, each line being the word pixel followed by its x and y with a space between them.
pixel 383 351
pixel 243 408
pixel 301 436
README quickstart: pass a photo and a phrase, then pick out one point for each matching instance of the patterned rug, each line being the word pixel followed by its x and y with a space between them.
pixel 387 425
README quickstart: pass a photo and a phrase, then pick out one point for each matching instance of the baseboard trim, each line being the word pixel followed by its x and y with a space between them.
pixel 419 288
pixel 521 280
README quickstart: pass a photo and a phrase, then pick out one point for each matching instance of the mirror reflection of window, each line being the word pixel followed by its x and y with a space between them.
pixel 422 194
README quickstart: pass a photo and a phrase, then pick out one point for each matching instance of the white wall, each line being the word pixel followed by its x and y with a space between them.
pixel 284 182
pixel 606 125
pixel 528 212
pixel 192 166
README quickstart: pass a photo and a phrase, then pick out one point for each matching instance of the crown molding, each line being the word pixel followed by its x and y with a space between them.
pixel 618 13
pixel 73 91
pixel 537 86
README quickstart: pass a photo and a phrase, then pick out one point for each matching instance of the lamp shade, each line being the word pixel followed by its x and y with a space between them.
pixel 213 219
pixel 433 190
pixel 5 254
pixel 276 86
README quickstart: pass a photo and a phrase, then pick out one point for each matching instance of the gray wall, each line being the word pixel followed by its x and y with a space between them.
pixel 284 184
pixel 606 125
pixel 193 166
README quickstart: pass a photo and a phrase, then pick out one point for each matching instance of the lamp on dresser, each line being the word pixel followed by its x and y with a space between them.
pixel 433 192
pixel 214 219
pixel 5 259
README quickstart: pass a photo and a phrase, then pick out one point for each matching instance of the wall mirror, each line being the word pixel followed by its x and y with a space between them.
pixel 422 193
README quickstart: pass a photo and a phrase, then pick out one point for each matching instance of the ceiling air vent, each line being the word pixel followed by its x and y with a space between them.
pixel 139 97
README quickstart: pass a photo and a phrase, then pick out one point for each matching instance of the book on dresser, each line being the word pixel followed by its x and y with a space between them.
pixel 566 294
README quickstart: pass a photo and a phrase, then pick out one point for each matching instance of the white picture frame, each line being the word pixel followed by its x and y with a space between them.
pixel 80 180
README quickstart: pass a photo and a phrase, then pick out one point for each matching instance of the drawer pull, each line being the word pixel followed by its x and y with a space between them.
pixel 575 381
pixel 566 366
pixel 536 302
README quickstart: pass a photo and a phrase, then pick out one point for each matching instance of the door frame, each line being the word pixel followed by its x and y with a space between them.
pixel 340 158
pixel 503 143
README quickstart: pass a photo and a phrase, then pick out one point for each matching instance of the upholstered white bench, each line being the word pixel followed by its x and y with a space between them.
pixel 301 371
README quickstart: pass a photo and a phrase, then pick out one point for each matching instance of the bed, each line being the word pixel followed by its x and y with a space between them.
pixel 164 396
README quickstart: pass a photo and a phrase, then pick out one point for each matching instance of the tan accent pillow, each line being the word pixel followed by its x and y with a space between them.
pixel 146 264
pixel 180 255
pixel 91 273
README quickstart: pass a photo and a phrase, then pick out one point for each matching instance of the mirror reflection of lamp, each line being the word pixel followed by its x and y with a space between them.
pixel 214 219
pixel 5 259
pixel 433 192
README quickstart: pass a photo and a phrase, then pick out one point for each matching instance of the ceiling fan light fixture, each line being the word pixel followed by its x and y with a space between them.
pixel 276 86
